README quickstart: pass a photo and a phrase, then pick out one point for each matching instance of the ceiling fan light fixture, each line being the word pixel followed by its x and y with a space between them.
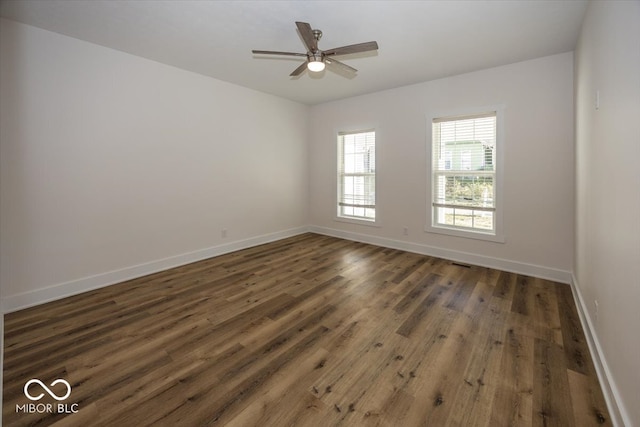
pixel 315 64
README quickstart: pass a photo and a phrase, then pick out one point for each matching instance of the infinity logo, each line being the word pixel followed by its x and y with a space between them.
pixel 47 389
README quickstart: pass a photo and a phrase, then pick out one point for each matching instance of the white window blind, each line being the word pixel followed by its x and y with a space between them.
pixel 464 172
pixel 357 175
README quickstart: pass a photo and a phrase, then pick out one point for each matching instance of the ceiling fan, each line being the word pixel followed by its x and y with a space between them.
pixel 316 58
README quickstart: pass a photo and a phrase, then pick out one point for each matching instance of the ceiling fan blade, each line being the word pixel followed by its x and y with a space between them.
pixel 341 65
pixel 299 70
pixel 354 48
pixel 273 52
pixel 307 35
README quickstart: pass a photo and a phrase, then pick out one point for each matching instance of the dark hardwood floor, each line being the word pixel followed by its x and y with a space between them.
pixel 307 331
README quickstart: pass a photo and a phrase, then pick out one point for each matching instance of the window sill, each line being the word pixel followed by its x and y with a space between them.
pixel 365 222
pixel 498 237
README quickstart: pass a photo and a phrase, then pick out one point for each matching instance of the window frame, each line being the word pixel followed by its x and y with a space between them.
pixel 347 218
pixel 497 234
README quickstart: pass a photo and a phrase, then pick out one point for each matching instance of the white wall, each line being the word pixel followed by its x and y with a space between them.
pixel 607 244
pixel 538 184
pixel 113 165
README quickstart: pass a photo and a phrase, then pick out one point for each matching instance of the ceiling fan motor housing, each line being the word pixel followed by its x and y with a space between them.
pixel 317 34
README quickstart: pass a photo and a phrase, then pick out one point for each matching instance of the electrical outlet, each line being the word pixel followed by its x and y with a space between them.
pixel 405 231
pixel 223 233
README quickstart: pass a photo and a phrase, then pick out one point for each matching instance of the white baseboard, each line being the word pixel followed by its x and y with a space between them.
pixel 619 415
pixel 459 256
pixel 63 290
pixel 1 361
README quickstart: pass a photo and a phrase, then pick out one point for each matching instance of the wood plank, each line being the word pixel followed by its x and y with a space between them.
pixel 422 310
pixel 522 300
pixel 589 408
pixel 505 285
pixel 513 401
pixel 575 344
pixel 482 373
pixel 551 393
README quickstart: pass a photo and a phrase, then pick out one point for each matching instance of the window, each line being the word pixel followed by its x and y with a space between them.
pixel 465 175
pixel 357 175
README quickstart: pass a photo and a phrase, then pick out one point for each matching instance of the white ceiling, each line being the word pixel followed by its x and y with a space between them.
pixel 418 40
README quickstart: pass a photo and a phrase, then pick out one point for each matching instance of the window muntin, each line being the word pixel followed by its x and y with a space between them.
pixel 357 175
pixel 464 152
